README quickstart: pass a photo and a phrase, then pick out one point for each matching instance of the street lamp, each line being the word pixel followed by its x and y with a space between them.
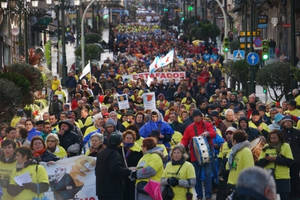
pixel 35 3
pixel 49 2
pixel 77 2
pixel 4 4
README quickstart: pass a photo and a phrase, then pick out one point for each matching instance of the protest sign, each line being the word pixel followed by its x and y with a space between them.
pixel 149 101
pixel 165 76
pixel 72 178
pixel 123 101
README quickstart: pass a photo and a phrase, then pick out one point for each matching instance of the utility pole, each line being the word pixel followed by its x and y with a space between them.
pixel 63 41
pixel 58 38
pixel 26 36
pixel 293 41
pixel 82 34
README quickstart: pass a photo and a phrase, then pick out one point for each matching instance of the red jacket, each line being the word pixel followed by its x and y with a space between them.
pixel 189 133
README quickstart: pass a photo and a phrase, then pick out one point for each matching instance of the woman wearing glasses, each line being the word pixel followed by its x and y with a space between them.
pixel 52 143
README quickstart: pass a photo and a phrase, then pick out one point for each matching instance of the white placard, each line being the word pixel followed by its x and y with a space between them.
pixel 149 101
pixel 123 101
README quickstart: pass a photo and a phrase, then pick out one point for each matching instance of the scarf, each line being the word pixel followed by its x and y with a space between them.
pixel 39 152
pixel 235 149
pixel 128 145
pixel 277 147
pixel 178 162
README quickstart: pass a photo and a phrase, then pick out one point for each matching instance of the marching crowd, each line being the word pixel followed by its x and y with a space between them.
pixel 202 135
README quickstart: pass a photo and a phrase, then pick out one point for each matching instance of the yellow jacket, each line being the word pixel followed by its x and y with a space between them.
pixel 5 171
pixel 186 172
pixel 264 125
pixel 242 160
pixel 38 175
pixel 60 152
pixel 55 84
pixel 224 150
pixel 281 171
pixel 150 159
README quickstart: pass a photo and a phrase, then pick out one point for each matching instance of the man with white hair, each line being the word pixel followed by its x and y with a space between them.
pixel 255 183
pixel 98 127
pixel 229 120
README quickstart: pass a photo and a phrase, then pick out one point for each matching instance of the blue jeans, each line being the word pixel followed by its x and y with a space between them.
pixel 203 176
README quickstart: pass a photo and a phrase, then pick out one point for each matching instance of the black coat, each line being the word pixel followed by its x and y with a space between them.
pixel 48 156
pixel 292 136
pixel 110 174
pixel 67 139
pixel 132 159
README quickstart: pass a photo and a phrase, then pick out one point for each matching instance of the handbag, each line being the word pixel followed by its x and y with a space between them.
pixel 43 197
pixel 168 193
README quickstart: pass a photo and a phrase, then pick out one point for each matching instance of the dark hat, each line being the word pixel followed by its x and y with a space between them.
pixel 110 122
pixel 292 103
pixel 214 113
pixel 67 122
pixel 115 139
pixel 197 112
pixel 243 119
pixel 286 118
pixel 255 112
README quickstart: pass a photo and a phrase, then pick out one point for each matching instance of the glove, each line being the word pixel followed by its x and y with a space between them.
pixel 172 181
pixel 30 186
pixel 132 176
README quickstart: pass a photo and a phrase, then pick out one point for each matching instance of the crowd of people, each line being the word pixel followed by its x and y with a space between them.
pixel 202 136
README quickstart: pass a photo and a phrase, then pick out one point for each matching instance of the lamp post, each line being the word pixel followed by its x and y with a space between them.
pixel 77 4
pixel 61 7
pixel 82 34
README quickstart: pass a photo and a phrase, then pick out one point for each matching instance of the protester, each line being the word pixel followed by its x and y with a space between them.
pixel 200 128
pixel 52 143
pixel 96 141
pixel 292 137
pixel 277 156
pixel 179 174
pixel 68 139
pixel 156 123
pixel 40 152
pixel 7 163
pixel 39 177
pixel 239 158
pixel 131 153
pixel 110 171
pixel 255 184
pixel 150 166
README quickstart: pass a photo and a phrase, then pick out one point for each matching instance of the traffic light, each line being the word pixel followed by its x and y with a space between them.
pixel 190 8
pixel 265 89
pixel 265 50
pixel 166 9
pixel 226 45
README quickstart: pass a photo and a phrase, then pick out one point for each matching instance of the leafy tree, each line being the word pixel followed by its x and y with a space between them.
pixel 32 74
pixel 92 52
pixel 194 29
pixel 276 77
pixel 239 71
pixel 92 38
pixel 10 99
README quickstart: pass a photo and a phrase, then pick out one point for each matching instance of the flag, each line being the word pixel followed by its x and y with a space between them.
pixel 86 70
pixel 154 65
pixel 167 59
